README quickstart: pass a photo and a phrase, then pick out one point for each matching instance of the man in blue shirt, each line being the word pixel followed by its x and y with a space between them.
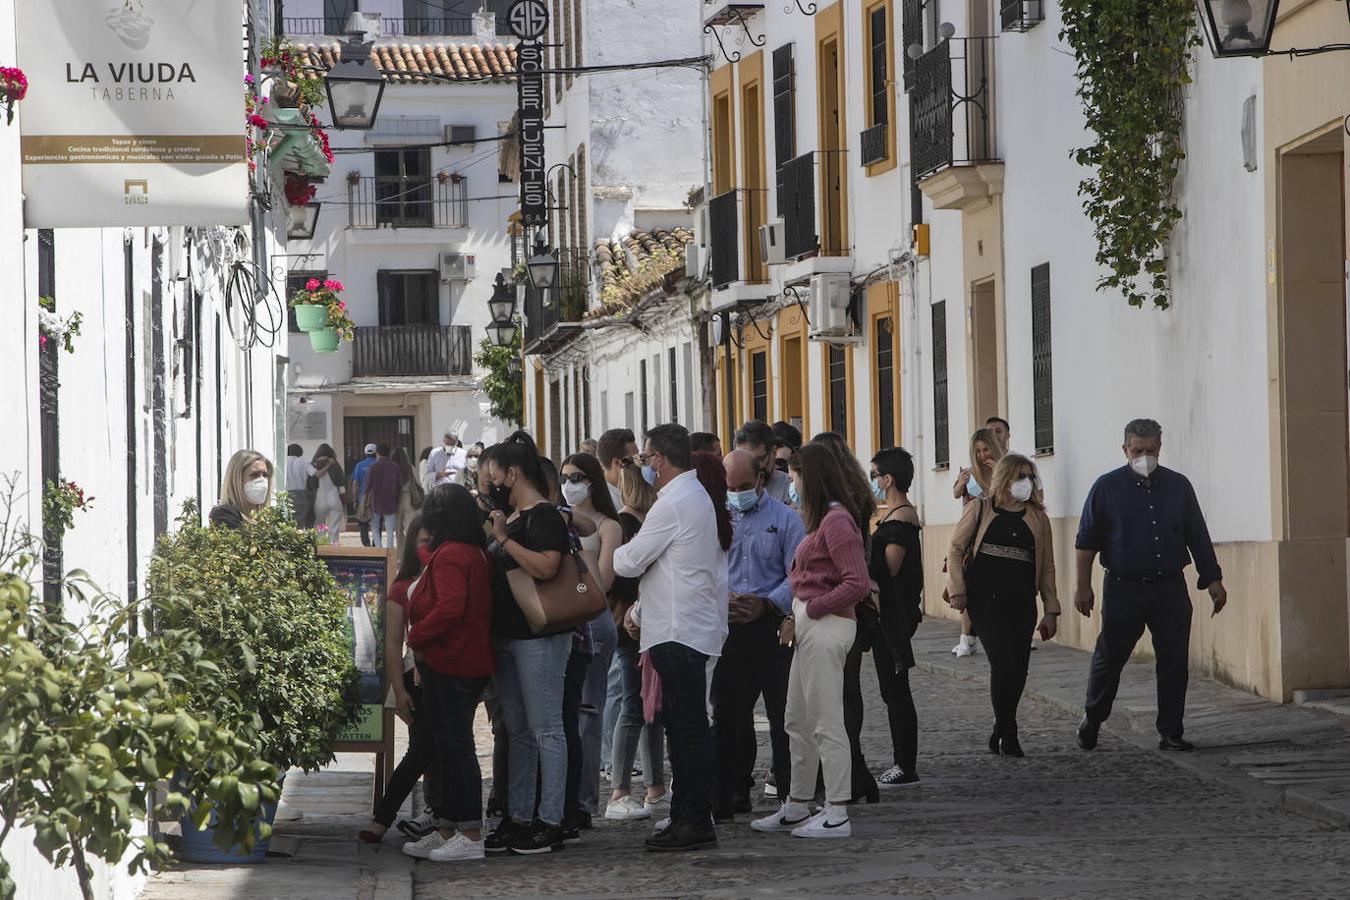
pixel 1146 523
pixel 358 480
pixel 766 536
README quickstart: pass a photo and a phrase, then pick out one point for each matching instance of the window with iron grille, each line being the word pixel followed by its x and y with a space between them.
pixel 759 385
pixel 884 342
pixel 673 375
pixel 880 31
pixel 837 363
pixel 911 33
pixel 941 426
pixel 586 398
pixel 296 281
pixel 408 297
pixel 642 393
pixel 403 193
pixel 784 114
pixel 1042 382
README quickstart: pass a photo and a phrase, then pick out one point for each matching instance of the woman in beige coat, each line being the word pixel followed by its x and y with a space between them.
pixel 1002 554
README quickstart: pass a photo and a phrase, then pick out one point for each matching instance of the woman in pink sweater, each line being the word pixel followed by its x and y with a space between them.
pixel 828 578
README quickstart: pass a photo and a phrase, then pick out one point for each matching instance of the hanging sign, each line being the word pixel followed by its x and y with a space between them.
pixel 530 85
pixel 528 19
pixel 134 114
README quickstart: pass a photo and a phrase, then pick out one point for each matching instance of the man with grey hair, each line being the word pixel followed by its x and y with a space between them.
pixel 449 461
pixel 1146 523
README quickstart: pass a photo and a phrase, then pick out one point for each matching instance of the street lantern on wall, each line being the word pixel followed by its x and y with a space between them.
pixel 502 305
pixel 542 266
pixel 301 221
pixel 355 86
pixel 1238 27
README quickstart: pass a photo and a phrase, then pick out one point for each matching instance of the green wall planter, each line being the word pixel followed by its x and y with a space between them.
pixel 325 340
pixel 311 317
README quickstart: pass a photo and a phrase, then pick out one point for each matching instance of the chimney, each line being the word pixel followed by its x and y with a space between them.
pixel 485 26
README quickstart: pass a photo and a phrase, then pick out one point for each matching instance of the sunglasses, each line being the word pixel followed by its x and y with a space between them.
pixel 575 478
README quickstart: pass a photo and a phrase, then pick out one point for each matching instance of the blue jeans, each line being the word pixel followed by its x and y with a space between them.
pixel 591 723
pixel 386 527
pixel 613 700
pixel 630 730
pixel 529 683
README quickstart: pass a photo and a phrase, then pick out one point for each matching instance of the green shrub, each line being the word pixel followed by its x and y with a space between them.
pixel 277 666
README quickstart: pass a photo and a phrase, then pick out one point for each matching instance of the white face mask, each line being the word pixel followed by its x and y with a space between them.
pixel 1021 490
pixel 575 493
pixel 255 491
pixel 1144 466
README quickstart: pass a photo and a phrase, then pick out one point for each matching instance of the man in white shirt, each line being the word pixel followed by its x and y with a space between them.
pixel 449 461
pixel 682 618
pixel 297 475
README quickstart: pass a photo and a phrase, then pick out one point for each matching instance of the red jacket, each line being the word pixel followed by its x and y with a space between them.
pixel 450 612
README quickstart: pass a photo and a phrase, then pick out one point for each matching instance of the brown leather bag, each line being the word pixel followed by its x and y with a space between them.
pixel 560 604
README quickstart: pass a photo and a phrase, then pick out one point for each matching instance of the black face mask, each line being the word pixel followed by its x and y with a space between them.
pixel 500 497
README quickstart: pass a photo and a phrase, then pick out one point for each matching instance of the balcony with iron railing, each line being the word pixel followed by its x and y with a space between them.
pixel 553 315
pixel 436 26
pixel 407 202
pixel 1021 15
pixel 811 202
pixel 953 145
pixel 438 351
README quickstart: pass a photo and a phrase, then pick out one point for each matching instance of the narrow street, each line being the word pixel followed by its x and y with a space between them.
pixel 1123 821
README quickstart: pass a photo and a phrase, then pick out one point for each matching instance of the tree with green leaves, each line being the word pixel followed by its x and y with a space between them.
pixel 501 386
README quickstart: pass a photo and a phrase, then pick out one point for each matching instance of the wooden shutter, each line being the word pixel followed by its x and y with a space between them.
pixel 941 426
pixel 1041 372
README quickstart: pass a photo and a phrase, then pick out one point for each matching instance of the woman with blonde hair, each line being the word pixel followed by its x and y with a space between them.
pixel 1002 554
pixel 971 484
pixel 245 488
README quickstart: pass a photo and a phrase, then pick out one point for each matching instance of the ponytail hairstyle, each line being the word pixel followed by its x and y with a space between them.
pixel 520 453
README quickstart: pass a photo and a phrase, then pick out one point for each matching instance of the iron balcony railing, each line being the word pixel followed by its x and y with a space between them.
pixel 874 148
pixel 540 316
pixel 725 239
pixel 797 205
pixel 432 350
pixel 406 27
pixel 566 301
pixel 952 105
pixel 400 202
pixel 1021 15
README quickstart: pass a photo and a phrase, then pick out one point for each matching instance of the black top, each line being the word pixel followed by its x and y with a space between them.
pixel 226 516
pixel 540 528
pixel 1009 529
pixel 1144 527
pixel 625 590
pixel 902 593
pixel 998 575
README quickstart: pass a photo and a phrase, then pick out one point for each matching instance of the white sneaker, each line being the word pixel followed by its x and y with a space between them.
pixel 968 646
pixel 660 806
pixel 783 820
pixel 422 849
pixel 419 825
pixel 627 807
pixel 819 826
pixel 662 824
pixel 456 848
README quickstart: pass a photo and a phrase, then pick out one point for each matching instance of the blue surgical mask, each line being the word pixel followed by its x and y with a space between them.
pixel 877 490
pixel 743 501
pixel 973 487
pixel 649 475
pixel 793 497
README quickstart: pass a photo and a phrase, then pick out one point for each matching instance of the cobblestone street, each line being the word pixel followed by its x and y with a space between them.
pixel 1123 821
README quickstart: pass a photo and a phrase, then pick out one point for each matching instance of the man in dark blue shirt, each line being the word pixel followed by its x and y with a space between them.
pixel 752 661
pixel 1146 523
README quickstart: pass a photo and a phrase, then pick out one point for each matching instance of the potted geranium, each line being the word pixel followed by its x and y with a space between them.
pixel 13 88
pixel 323 314
pixel 272 621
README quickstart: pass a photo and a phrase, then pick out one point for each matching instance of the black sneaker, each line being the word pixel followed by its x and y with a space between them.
pixel 683 836
pixel 570 833
pixel 540 838
pixel 500 839
pixel 1087 733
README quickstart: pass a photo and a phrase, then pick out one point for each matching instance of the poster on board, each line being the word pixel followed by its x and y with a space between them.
pixel 364 576
pixel 134 114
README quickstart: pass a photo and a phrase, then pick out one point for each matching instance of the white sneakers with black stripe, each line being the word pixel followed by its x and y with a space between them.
pixel 830 822
pixel 789 816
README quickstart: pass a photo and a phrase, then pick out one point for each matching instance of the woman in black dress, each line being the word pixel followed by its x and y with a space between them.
pixel 1001 556
pixel 896 565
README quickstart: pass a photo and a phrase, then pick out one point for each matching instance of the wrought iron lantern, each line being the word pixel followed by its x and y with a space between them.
pixel 1238 27
pixel 355 86
pixel 301 221
pixel 502 305
pixel 502 332
pixel 542 266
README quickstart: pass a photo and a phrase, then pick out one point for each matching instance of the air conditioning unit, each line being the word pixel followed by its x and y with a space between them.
pixel 460 134
pixel 458 267
pixel 693 260
pixel 828 310
pixel 771 243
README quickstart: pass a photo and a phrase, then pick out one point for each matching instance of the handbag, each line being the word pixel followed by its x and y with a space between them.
pixel 965 559
pixel 566 600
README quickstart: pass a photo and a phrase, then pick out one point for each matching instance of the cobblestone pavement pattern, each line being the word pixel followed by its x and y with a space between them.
pixel 1123 821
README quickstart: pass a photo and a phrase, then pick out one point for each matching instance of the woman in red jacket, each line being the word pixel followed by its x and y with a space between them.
pixel 450 616
pixel 828 578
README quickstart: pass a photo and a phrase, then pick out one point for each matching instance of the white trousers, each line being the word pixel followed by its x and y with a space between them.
pixel 815 706
pixel 334 518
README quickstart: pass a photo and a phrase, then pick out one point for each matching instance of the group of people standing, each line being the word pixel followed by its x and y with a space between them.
pixel 765 573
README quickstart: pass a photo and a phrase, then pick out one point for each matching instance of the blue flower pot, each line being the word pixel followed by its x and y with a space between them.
pixel 324 341
pixel 311 317
pixel 198 845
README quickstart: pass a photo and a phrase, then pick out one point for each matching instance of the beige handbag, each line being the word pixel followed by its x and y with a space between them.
pixel 560 604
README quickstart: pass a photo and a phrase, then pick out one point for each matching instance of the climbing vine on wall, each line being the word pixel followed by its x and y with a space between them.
pixel 1133 58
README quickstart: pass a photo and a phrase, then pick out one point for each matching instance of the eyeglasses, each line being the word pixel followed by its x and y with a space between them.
pixel 575 478
pixel 645 458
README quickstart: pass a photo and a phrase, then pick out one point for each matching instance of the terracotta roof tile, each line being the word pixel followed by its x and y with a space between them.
pixel 632 267
pixel 411 63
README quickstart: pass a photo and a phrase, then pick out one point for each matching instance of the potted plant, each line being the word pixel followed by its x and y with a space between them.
pixel 272 617
pixel 321 312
